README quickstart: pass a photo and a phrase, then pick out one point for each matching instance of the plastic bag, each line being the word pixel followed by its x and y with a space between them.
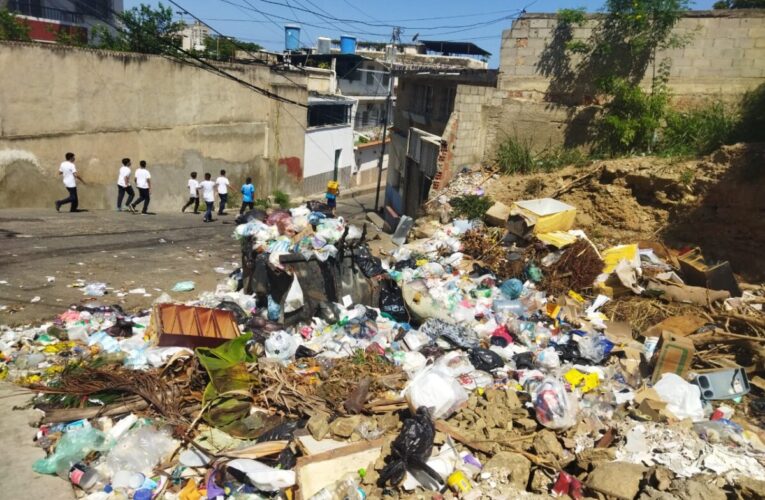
pixel 411 449
pixel 139 450
pixel 392 302
pixel 262 476
pixel 274 309
pixel 512 288
pixel 369 265
pixel 683 398
pixel 280 345
pixel 294 300
pixel 485 360
pixel 75 445
pixel 95 289
pixel 254 214
pixel 183 286
pixel 454 364
pixel 554 407
pixel 436 391
pixel 548 359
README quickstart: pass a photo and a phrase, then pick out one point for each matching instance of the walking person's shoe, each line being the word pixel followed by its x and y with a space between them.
pixel 58 206
pixel 131 208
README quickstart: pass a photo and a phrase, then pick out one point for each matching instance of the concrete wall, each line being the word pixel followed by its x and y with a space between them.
pixel 104 106
pixel 367 158
pixel 320 146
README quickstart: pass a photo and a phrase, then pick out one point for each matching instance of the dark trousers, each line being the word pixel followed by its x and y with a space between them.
pixel 121 194
pixel 143 196
pixel 209 210
pixel 195 201
pixel 247 204
pixel 223 200
pixel 72 198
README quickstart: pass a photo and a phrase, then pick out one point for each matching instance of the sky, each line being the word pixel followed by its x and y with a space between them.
pixel 477 21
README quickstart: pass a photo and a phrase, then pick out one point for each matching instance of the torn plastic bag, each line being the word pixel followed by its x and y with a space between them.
pixel 281 345
pixel 122 328
pixel 460 336
pixel 328 312
pixel 254 214
pixel 294 299
pixel 282 432
pixel 485 360
pixel 411 450
pixel 369 265
pixel 317 206
pixel 392 301
pixel 274 309
pixel 261 476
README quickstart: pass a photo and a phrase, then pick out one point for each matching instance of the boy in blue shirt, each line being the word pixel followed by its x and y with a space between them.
pixel 248 195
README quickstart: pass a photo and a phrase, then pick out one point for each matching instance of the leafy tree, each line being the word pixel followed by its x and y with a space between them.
pixel 225 48
pixel 13 28
pixel 143 29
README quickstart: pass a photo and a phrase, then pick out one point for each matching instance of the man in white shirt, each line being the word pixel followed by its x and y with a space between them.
pixel 123 185
pixel 193 194
pixel 208 194
pixel 70 177
pixel 223 184
pixel 143 183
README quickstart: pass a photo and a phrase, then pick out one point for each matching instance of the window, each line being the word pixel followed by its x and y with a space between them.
pixel 329 114
pixel 385 80
pixel 370 78
pixel 364 118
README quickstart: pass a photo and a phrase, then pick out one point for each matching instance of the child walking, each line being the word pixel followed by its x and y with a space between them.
pixel 208 193
pixel 248 195
pixel 193 194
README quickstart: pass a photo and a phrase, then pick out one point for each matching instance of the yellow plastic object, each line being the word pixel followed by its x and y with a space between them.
pixel 576 296
pixel 547 215
pixel 558 239
pixel 585 381
pixel 614 255
pixel 190 491
pixel 333 185
pixel 458 482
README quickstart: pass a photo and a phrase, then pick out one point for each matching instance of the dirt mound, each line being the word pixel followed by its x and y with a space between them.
pixel 716 203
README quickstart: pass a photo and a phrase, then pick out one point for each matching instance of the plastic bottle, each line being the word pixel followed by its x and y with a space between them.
pixel 346 489
pixel 79 474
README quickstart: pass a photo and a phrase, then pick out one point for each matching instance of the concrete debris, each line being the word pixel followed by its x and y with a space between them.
pixel 617 479
pixel 509 467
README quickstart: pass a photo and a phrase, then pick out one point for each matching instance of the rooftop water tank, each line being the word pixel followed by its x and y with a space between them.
pixel 291 38
pixel 323 45
pixel 347 44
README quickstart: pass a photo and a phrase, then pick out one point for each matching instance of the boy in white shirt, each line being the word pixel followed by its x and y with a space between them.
pixel 208 194
pixel 123 185
pixel 70 177
pixel 223 184
pixel 143 183
pixel 193 194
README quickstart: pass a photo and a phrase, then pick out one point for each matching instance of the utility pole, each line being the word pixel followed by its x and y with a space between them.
pixel 391 59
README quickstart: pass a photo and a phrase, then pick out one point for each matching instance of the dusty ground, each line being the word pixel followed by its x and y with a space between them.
pixel 715 203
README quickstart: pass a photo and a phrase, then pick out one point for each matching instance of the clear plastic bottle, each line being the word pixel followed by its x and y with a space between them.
pixel 346 489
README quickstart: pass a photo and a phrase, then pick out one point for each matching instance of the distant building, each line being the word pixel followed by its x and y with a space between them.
pixel 328 142
pixel 47 17
pixel 193 36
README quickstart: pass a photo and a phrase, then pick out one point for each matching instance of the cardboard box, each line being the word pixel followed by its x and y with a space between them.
pixel 546 214
pixel 674 354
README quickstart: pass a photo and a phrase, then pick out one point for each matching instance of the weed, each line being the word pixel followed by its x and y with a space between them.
pixel 282 199
pixel 470 206
pixel 262 203
pixel 534 186
pixel 698 131
pixel 687 176
pixel 515 156
pixel 751 126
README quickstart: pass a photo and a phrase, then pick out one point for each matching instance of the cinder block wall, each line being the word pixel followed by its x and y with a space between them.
pixel 104 106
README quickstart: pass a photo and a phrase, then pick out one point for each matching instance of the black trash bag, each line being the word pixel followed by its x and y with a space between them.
pixel 304 352
pixel 371 266
pixel 392 301
pixel 458 335
pixel 404 264
pixel 569 353
pixel 411 450
pixel 239 313
pixel 254 214
pixel 328 312
pixel 282 432
pixel 317 206
pixel 122 328
pixel 524 361
pixel 479 270
pixel 485 360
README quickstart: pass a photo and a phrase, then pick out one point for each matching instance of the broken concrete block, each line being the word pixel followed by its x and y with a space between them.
pixel 344 427
pixel 692 489
pixel 618 479
pixel 497 215
pixel 511 467
pixel 318 426
pixel 546 445
pixel 540 482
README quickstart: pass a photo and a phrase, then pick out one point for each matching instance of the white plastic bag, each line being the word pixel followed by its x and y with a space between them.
pixel 435 390
pixel 281 345
pixel 262 476
pixel 554 407
pixel 683 398
pixel 294 300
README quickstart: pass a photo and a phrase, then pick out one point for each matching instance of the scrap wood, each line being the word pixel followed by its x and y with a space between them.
pixel 443 426
pixel 256 451
pixel 576 182
pixel 386 405
pixel 128 405
pixel 741 317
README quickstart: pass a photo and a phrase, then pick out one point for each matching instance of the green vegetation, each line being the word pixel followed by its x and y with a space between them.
pixel 572 16
pixel 13 28
pixel 261 203
pixel 739 4
pixel 224 48
pixel 751 122
pixel 144 30
pixel 470 206
pixel 698 131
pixel 282 199
pixel 515 156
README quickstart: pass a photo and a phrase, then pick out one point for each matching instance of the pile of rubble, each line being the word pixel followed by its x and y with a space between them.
pixel 472 361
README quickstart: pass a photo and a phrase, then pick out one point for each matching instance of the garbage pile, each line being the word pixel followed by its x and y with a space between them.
pixel 475 362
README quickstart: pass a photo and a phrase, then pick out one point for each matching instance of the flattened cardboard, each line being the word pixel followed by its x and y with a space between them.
pixel 674 354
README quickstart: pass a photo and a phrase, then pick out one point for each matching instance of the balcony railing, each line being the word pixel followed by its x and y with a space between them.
pixel 35 9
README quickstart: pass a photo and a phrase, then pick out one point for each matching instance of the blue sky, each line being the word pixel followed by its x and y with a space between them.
pixel 477 21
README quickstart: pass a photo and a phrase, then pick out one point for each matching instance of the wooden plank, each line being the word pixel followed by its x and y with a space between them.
pixel 447 429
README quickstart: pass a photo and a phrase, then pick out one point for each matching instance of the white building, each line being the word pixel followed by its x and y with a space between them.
pixel 328 143
pixel 193 37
